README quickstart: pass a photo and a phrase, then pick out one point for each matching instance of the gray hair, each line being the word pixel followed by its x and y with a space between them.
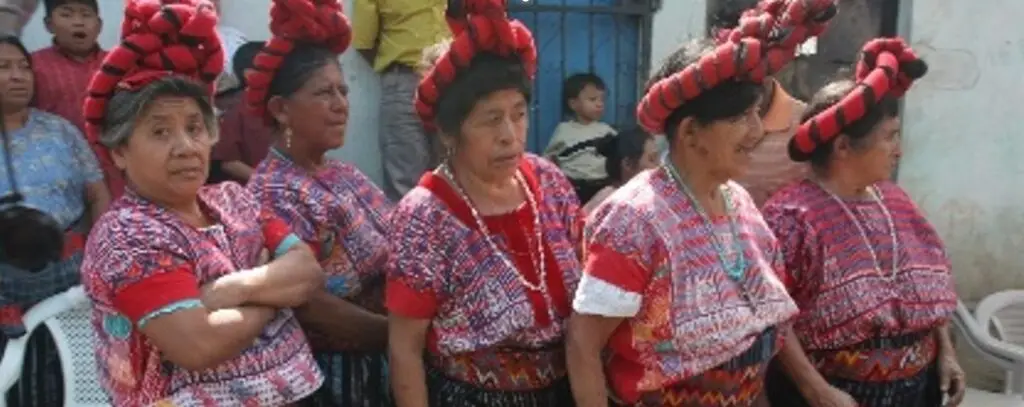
pixel 126 107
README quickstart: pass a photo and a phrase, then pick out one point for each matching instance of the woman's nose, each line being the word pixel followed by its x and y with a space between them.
pixel 21 74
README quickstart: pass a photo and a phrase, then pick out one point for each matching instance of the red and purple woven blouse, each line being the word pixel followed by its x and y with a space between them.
pixel 763 42
pixel 158 38
pixel 887 67
pixel 477 26
pixel 293 22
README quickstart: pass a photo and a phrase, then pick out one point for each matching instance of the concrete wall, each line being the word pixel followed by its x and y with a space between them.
pixel 962 137
pixel 252 17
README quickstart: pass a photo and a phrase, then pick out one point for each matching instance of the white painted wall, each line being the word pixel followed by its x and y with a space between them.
pixel 962 146
pixel 252 18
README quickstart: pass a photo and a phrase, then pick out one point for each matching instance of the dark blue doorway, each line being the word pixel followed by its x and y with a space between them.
pixel 608 37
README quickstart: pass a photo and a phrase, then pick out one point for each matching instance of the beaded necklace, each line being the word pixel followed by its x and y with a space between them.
pixel 876 197
pixel 738 267
pixel 536 257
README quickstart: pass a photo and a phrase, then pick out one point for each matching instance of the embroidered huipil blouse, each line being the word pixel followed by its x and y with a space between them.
pixel 338 211
pixel 650 259
pixel 832 276
pixel 142 261
pixel 488 328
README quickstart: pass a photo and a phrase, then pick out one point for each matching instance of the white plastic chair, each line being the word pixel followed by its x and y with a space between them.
pixel 67 315
pixel 1007 356
pixel 1003 314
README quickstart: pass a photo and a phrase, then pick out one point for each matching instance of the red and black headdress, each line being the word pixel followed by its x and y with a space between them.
pixel 765 40
pixel 887 67
pixel 158 38
pixel 477 26
pixel 317 22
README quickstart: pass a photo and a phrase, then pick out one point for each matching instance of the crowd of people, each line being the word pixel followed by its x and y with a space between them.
pixel 764 259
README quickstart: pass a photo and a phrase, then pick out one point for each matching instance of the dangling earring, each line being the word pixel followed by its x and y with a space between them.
pixel 449 151
pixel 288 138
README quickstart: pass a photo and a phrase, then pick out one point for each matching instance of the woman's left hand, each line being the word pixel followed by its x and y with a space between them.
pixel 952 380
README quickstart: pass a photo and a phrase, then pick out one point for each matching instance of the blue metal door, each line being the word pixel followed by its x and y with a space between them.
pixel 608 37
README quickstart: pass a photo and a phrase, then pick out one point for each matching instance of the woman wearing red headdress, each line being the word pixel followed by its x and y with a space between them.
pixel 188 311
pixel 297 85
pixel 483 250
pixel 863 263
pixel 680 303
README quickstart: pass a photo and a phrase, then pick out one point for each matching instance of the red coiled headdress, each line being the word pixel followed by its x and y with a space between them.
pixel 765 40
pixel 319 22
pixel 887 66
pixel 158 38
pixel 477 26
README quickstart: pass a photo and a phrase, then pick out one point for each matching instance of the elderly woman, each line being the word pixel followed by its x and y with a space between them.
pixel 483 250
pixel 299 87
pixel 188 311
pixel 680 297
pixel 49 164
pixel 863 263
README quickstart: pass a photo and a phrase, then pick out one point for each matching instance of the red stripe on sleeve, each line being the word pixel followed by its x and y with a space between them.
pixel 156 291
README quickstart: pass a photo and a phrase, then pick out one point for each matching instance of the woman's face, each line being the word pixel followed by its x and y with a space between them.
pixel 493 137
pixel 167 156
pixel 647 160
pixel 317 113
pixel 724 146
pixel 17 82
pixel 881 151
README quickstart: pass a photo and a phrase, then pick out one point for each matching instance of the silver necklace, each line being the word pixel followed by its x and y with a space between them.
pixel 734 269
pixel 538 260
pixel 876 197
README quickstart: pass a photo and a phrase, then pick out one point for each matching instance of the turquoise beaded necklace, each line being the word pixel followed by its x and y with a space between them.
pixel 737 268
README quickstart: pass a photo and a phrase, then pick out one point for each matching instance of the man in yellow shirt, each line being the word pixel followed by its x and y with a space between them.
pixel 391 35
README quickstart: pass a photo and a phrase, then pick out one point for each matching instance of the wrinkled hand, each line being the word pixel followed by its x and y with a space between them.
pixel 952 379
pixel 831 397
pixel 225 292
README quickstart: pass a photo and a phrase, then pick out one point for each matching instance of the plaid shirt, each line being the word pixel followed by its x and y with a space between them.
pixel 61 86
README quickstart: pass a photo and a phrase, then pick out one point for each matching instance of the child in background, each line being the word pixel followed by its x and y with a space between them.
pixel 572 145
pixel 244 139
pixel 63 70
pixel 626 155
pixel 231 39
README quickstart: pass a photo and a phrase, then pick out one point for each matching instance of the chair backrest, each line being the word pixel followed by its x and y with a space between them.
pixel 75 338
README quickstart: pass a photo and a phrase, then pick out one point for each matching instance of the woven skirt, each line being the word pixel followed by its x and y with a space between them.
pixel 883 372
pixel 447 392
pixel 352 379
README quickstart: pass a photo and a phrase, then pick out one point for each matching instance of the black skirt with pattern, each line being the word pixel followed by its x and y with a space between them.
pixel 919 390
pixel 352 379
pixel 446 392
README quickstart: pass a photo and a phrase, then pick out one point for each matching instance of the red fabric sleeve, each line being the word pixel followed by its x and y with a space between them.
pixel 408 302
pixel 616 268
pixel 152 293
pixel 795 258
pixel 274 232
